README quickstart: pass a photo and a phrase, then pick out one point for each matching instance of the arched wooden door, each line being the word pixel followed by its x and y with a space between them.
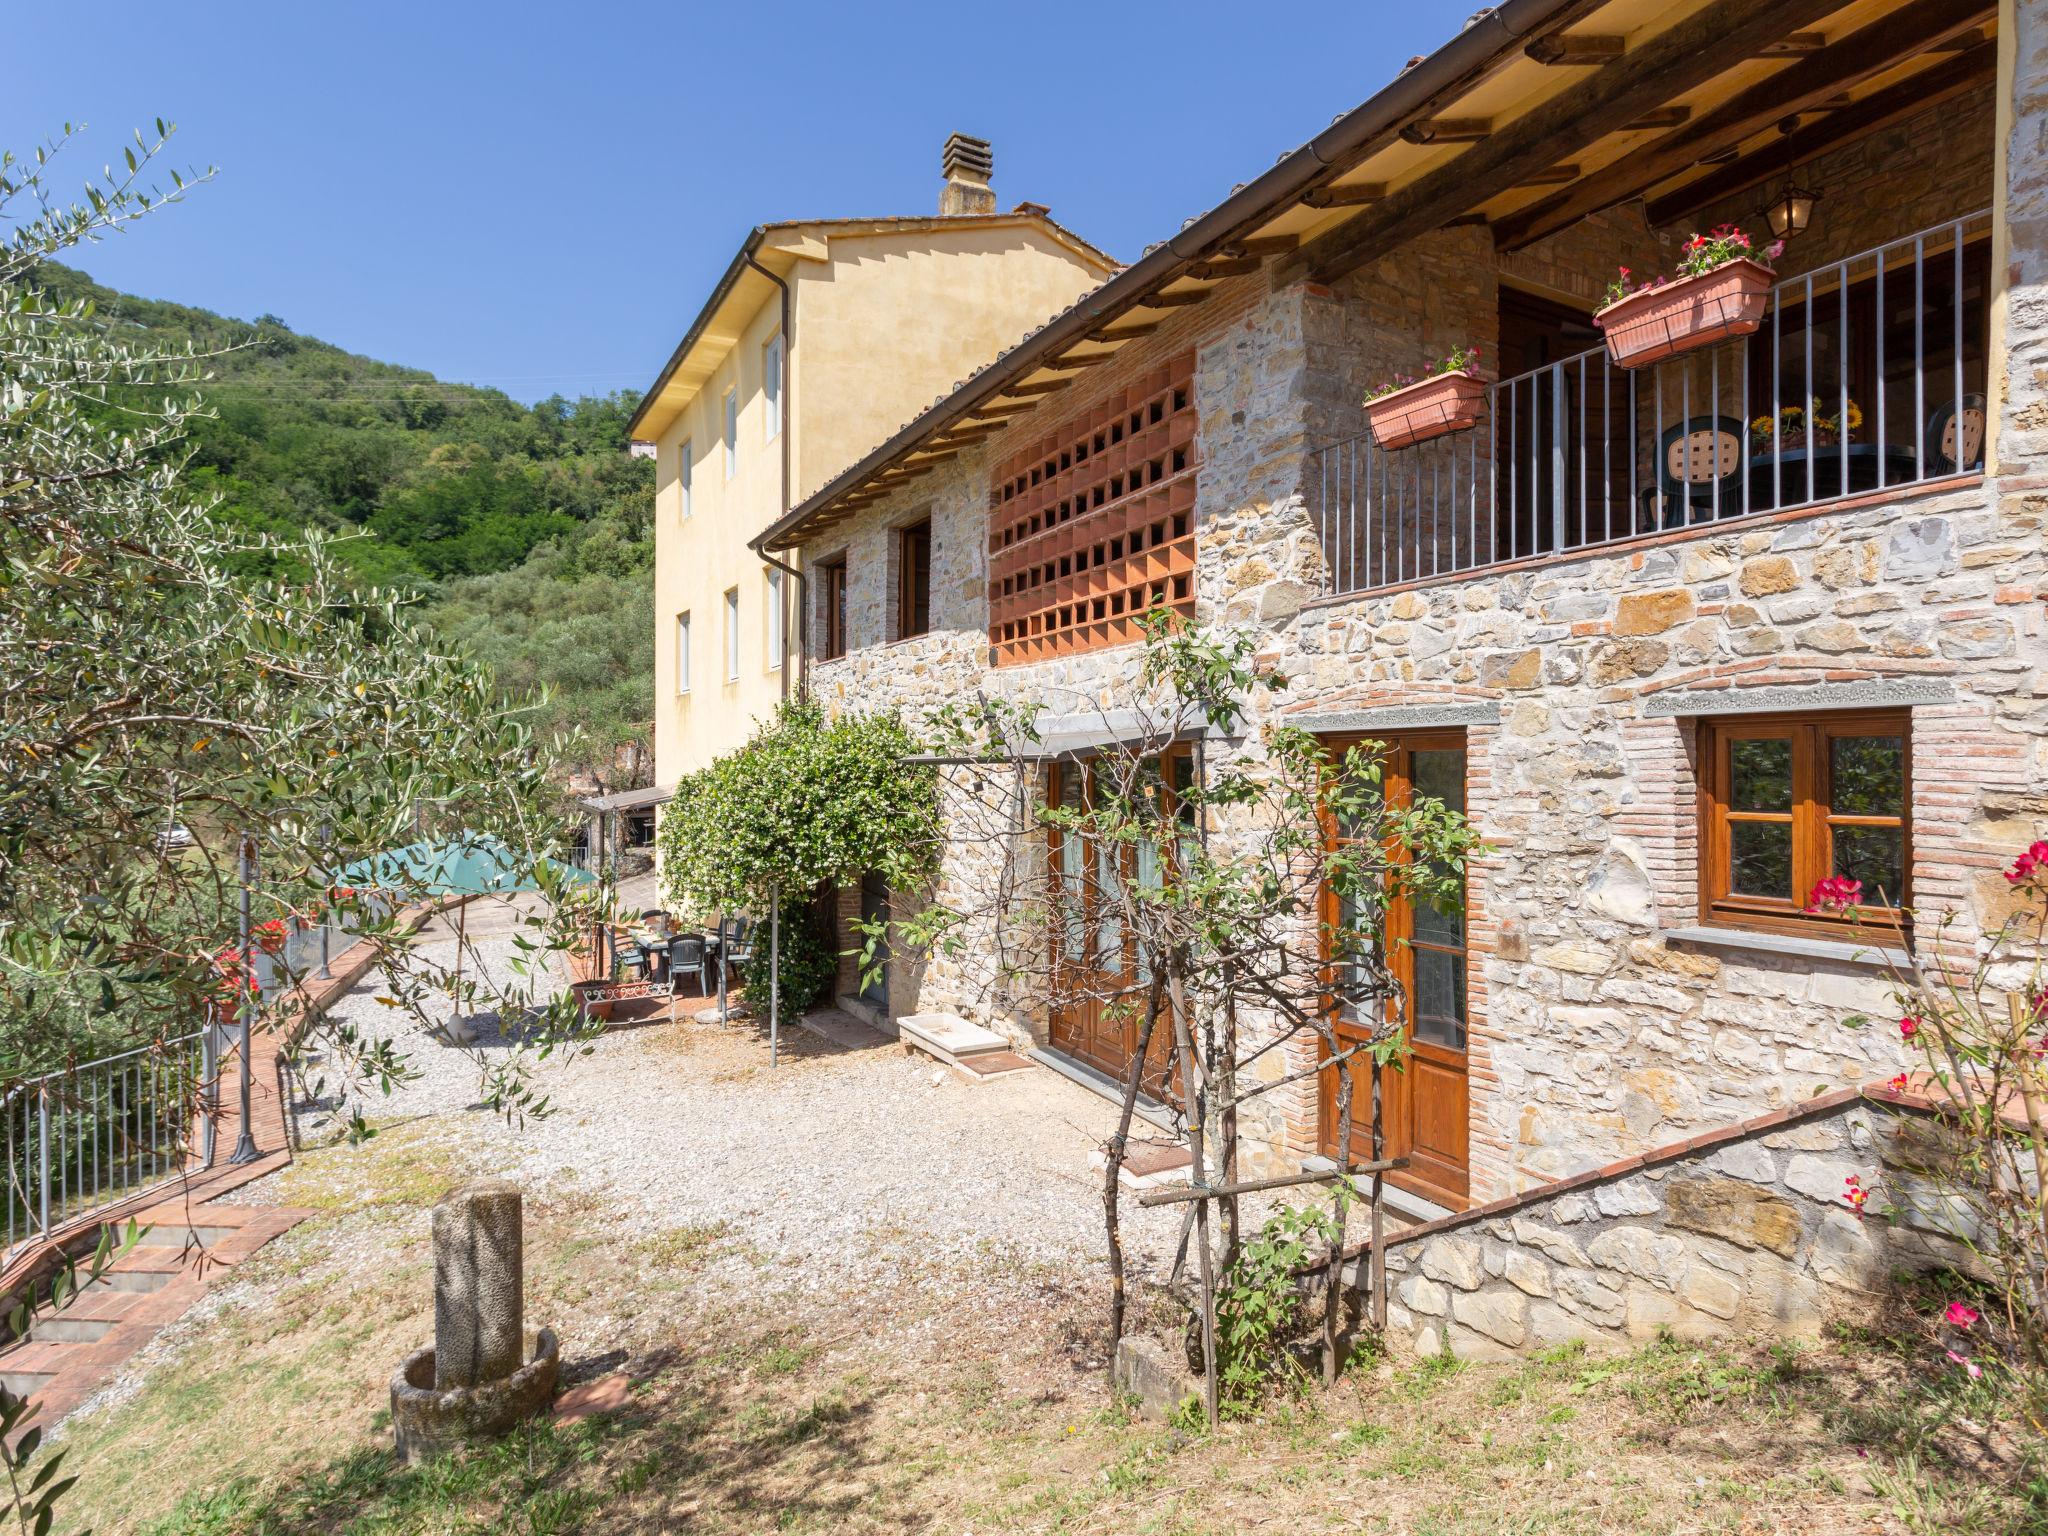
pixel 1428 1098
pixel 1100 977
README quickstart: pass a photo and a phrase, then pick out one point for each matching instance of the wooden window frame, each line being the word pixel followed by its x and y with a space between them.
pixel 832 595
pixel 1811 819
pixel 908 536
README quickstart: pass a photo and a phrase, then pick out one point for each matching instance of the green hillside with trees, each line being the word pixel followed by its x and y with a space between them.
pixel 525 531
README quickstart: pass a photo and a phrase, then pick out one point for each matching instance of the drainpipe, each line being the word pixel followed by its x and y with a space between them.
pixel 801 593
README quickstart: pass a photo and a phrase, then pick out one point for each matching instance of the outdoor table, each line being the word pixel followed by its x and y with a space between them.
pixel 1779 480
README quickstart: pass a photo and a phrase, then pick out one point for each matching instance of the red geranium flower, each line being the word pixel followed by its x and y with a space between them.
pixel 1834 895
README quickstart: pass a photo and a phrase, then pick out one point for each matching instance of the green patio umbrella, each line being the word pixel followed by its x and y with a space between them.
pixel 468 864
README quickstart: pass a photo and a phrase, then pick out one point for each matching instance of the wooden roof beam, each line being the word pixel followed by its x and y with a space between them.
pixel 1242 266
pixel 1908 98
pixel 1262 245
pixel 1792 44
pixel 1070 364
pixel 1564 48
pixel 1124 332
pixel 1554 176
pixel 1448 130
pixel 1800 86
pixel 1679 59
pixel 1662 117
pixel 1043 387
pixel 1344 197
pixel 998 410
pixel 1561 20
pixel 1172 300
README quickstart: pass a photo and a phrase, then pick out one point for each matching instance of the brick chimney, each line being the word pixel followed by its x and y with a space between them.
pixel 968 165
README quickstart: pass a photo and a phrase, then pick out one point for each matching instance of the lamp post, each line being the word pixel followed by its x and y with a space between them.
pixel 245 1144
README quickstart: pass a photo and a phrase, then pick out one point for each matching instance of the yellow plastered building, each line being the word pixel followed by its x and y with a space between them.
pixel 822 337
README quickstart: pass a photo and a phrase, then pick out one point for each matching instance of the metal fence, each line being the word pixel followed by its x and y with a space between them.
pixel 83 1137
pixel 1867 374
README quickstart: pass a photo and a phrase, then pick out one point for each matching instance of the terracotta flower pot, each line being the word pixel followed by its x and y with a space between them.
pixel 592 1007
pixel 1431 407
pixel 1647 327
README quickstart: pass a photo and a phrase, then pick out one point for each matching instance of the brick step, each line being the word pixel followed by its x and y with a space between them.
pixel 29 1367
pixel 90 1315
pixel 141 1269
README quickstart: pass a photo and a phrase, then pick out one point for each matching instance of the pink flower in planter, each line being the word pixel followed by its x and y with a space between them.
pixel 1834 895
pixel 1966 1363
pixel 1961 1315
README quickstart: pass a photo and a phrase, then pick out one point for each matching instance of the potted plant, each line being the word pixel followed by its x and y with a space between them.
pixel 1720 289
pixel 1448 396
pixel 594 998
pixel 1797 427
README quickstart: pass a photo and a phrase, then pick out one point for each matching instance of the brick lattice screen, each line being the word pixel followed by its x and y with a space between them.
pixel 1094 524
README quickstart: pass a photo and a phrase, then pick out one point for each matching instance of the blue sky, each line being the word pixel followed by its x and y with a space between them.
pixel 538 197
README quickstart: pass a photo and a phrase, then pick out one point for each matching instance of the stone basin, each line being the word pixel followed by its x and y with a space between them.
pixel 429 1424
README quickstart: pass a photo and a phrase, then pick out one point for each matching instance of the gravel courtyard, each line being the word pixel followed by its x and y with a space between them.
pixel 861 1164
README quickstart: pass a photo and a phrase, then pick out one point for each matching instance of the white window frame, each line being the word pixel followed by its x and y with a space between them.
pixel 683 652
pixel 773 358
pixel 683 471
pixel 732 634
pixel 775 619
pixel 730 425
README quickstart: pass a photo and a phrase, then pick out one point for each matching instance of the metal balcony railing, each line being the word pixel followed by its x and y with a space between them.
pixel 83 1137
pixel 1866 375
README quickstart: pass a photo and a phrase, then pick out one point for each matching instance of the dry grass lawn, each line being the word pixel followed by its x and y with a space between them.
pixel 761 1404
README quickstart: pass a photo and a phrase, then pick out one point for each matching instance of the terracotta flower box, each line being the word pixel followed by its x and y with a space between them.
pixel 1689 312
pixel 1431 407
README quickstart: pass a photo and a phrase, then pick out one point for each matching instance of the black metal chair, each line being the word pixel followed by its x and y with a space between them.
pixel 686 957
pixel 1702 463
pixel 1955 439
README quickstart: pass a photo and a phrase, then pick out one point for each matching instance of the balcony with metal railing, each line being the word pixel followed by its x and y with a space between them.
pixel 1865 377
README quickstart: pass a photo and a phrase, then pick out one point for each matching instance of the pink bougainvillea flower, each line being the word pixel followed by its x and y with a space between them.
pixel 1961 1315
pixel 1908 1027
pixel 1966 1363
pixel 1836 894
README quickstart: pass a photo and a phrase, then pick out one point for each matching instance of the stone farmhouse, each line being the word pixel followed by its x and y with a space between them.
pixel 1682 637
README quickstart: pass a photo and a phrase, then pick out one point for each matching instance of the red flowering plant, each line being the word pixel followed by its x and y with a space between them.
pixel 1971 1011
pixel 1457 360
pixel 1698 256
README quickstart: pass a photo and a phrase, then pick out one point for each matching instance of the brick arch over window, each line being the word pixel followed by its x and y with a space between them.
pixel 1094 524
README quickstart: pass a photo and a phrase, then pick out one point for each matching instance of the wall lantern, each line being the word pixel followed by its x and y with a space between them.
pixel 1792 209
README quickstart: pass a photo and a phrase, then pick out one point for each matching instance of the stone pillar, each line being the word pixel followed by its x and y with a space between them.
pixel 478 1271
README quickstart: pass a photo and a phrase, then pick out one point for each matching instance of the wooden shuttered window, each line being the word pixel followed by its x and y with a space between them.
pixel 1787 801
pixel 914 580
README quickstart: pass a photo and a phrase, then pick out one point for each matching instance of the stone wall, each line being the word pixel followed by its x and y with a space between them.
pixel 1746 1232
pixel 1599 1025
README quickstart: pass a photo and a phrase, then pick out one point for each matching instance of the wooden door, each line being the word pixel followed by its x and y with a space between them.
pixel 1100 976
pixel 1427 1098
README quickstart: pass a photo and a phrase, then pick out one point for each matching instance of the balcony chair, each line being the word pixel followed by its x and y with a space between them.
pixel 1687 455
pixel 1945 425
